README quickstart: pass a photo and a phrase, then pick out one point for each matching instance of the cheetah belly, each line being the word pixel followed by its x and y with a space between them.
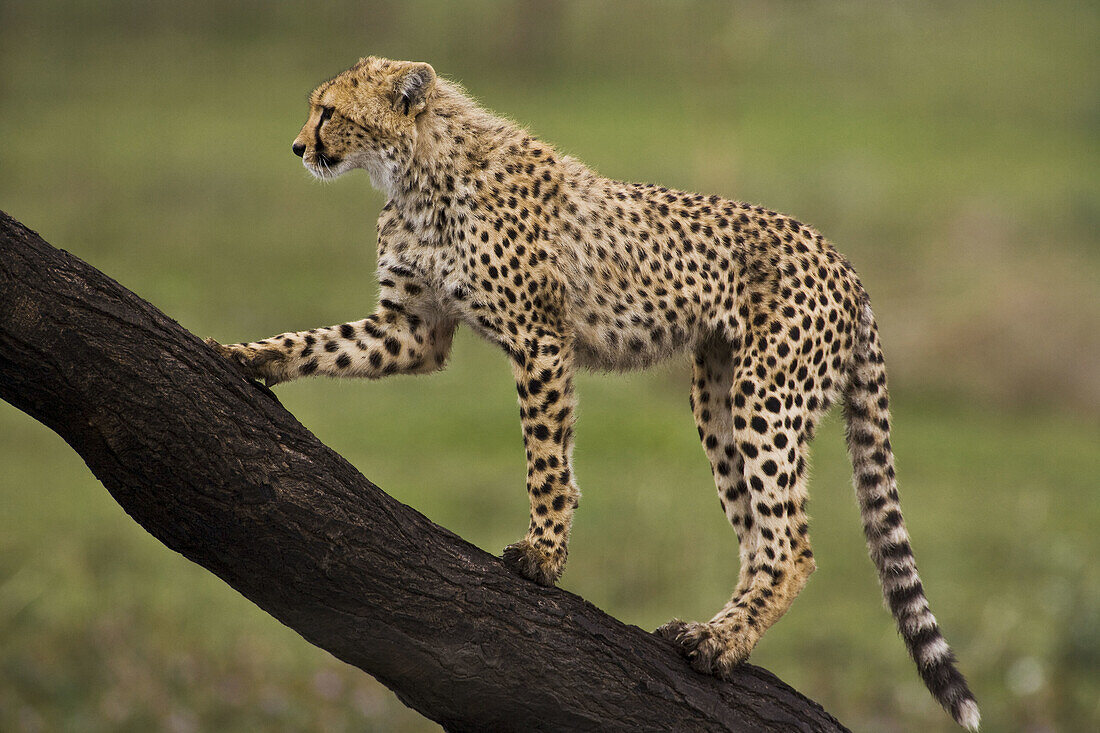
pixel 618 337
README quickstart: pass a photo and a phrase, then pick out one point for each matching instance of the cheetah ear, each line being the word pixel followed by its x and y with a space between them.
pixel 413 87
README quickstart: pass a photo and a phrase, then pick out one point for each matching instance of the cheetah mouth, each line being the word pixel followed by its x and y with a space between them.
pixel 323 165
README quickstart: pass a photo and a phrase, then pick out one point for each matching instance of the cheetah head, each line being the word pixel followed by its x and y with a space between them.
pixel 365 117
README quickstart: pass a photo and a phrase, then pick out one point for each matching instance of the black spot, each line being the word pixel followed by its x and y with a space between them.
pixel 896 551
pixel 900 598
pixel 343 361
pixel 876 503
pixel 892 518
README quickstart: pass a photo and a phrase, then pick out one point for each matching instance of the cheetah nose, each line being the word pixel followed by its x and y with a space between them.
pixel 299 149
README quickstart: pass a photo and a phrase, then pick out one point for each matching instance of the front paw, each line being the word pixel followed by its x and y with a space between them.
pixel 263 363
pixel 534 563
pixel 710 648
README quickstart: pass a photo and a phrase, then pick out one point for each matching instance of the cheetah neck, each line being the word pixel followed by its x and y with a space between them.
pixel 456 141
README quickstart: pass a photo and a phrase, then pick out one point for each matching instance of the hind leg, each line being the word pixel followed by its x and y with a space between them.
pixel 711 404
pixel 770 429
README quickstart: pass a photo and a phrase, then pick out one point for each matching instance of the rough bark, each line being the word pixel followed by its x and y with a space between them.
pixel 214 467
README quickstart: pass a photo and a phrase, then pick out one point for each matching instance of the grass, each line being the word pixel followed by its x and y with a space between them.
pixel 950 152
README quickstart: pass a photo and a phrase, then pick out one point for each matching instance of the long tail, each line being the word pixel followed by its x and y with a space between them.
pixel 866 408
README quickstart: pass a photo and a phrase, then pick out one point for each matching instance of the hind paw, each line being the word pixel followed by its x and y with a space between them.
pixel 709 648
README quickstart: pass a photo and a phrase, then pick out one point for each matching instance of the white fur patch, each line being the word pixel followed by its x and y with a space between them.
pixel 934 651
pixel 382 176
pixel 968 716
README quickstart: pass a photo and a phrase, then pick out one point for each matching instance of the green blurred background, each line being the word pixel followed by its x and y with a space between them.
pixel 950 150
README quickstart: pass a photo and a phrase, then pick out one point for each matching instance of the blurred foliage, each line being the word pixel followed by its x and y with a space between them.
pixel 951 151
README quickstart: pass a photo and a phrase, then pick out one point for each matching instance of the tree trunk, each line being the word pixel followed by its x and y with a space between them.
pixel 214 467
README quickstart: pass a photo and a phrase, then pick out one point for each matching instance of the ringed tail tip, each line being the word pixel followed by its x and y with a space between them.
pixel 966 714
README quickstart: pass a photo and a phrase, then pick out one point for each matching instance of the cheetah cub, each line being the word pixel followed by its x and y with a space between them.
pixel 489 227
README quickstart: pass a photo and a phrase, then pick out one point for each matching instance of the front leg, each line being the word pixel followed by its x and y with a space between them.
pixel 544 379
pixel 405 335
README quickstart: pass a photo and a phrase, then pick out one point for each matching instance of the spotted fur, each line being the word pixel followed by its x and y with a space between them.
pixel 487 226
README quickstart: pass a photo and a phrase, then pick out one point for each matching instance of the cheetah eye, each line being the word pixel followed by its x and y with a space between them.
pixel 326 113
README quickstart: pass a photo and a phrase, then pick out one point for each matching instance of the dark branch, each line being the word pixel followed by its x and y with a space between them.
pixel 216 469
